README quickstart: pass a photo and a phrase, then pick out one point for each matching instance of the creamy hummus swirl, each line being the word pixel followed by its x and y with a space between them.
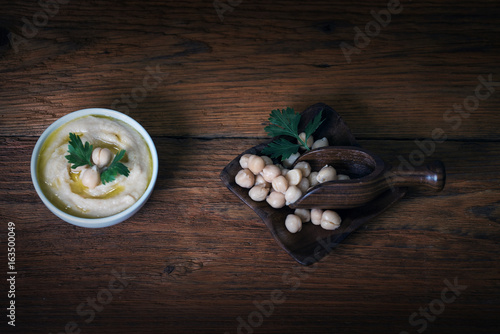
pixel 62 185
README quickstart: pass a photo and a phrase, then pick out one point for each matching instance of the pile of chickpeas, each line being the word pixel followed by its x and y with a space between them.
pixel 279 186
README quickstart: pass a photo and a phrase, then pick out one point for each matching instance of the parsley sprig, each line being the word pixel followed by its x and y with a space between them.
pixel 81 155
pixel 115 168
pixel 286 123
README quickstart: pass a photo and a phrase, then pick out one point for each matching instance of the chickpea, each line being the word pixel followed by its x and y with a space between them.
pixel 270 172
pixel 327 173
pixel 267 160
pixel 294 177
pixel 259 181
pixel 316 215
pixel 292 194
pixel 313 179
pixel 256 164
pixel 244 160
pixel 304 185
pixel 258 193
pixel 280 184
pixel 343 177
pixel 80 169
pixel 276 199
pixel 245 178
pixel 328 226
pixel 90 177
pixel 320 143
pixel 304 167
pixel 309 142
pixel 291 159
pixel 330 220
pixel 293 223
pixel 304 214
pixel 101 156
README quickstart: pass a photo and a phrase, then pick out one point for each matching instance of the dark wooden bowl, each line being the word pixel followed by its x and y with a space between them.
pixel 313 242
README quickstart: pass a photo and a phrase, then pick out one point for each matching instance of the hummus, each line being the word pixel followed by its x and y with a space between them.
pixel 62 185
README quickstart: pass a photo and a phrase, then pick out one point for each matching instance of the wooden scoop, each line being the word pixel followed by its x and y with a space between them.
pixel 370 177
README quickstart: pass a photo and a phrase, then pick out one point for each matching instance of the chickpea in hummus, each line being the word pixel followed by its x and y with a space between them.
pixel 79 191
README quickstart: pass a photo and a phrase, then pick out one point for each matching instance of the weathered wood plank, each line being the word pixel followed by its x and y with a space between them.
pixel 196 258
pixel 223 78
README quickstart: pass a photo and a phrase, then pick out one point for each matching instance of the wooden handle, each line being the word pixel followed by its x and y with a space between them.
pixel 431 176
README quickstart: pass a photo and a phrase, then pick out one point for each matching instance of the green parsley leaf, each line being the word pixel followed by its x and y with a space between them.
pixel 79 154
pixel 314 125
pixel 280 147
pixel 114 169
pixel 286 123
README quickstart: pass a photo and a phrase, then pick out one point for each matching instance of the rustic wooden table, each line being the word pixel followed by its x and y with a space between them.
pixel 412 80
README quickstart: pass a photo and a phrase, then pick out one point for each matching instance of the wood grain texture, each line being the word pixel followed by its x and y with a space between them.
pixel 197 259
pixel 286 54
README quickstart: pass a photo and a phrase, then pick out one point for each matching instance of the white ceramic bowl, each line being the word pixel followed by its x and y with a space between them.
pixel 103 221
